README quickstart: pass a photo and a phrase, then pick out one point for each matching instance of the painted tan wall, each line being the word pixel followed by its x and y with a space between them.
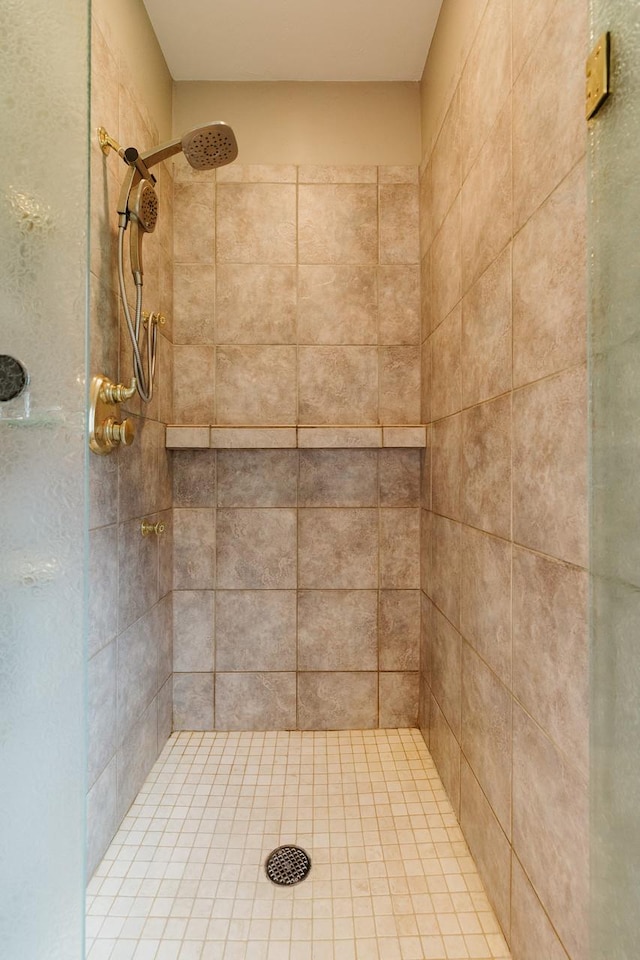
pixel 128 29
pixel 309 123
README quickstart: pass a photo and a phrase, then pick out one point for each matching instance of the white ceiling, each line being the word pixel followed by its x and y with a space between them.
pixel 294 39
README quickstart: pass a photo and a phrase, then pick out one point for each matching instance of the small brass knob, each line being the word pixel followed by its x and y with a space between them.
pixel 147 528
pixel 119 433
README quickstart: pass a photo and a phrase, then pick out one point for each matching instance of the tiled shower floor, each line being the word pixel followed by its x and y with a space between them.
pixel 391 877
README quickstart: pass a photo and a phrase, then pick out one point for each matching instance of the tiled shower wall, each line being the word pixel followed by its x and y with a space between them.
pixel 130 626
pixel 297 295
pixel 504 658
pixel 297 300
pixel 296 602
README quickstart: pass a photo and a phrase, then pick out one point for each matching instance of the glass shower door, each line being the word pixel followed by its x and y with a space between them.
pixel 615 492
pixel 43 333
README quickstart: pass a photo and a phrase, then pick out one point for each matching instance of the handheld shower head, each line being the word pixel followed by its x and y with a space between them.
pixel 143 214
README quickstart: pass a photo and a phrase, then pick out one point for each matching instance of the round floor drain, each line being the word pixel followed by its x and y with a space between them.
pixel 287 865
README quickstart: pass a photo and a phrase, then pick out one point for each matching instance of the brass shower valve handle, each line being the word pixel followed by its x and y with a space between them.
pixel 116 433
pixel 117 392
pixel 106 431
pixel 147 528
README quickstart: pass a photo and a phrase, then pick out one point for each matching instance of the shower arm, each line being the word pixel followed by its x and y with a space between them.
pixel 139 169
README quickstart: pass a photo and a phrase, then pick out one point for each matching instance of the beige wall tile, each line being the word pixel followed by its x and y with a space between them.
pixel 399 630
pixel 485 602
pixel 550 466
pixel 400 548
pixel 339 437
pixel 310 173
pixel 248 438
pixel 486 466
pixel 338 478
pixel 193 384
pixel 446 463
pixel 194 478
pixel 193 701
pixel 532 935
pixel 487 202
pixel 338 384
pixel 398 174
pixel 399 304
pixel 255 701
pixel 444 571
pixel 398 223
pixel 399 472
pixel 549 292
pixel 425 386
pixel 338 549
pixel 548 143
pixel 257 478
pixel 551 650
pixel 446 670
pixel 425 199
pixel 426 636
pixel 397 437
pixel 332 701
pixel 338 223
pixel 551 830
pixel 446 267
pixel 486 333
pixel 256 384
pixel 426 304
pixel 486 733
pixel 486 79
pixel 194 536
pixel 255 303
pixel 446 163
pixel 177 438
pixel 193 631
pixel 488 844
pixel 256 223
pixel 194 226
pixel 194 298
pixel 398 694
pixel 446 374
pixel 337 304
pixel 255 630
pixel 399 379
pixel 337 630
pixel 256 549
pixel 446 753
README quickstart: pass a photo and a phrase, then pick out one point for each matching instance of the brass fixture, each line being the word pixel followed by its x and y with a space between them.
pixel 153 318
pixel 598 75
pixel 106 432
pixel 106 142
pixel 147 528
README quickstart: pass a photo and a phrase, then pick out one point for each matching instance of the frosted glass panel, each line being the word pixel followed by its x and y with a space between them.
pixel 615 492
pixel 43 279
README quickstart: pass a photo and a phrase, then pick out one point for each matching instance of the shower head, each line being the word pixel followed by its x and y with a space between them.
pixel 143 214
pixel 212 145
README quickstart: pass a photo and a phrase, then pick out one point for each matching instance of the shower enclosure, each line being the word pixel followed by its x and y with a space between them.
pixel 43 480
pixel 615 492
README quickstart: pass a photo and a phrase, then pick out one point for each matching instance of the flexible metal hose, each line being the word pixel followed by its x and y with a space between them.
pixel 144 382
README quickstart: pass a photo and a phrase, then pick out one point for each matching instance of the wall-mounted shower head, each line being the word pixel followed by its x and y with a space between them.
pixel 210 146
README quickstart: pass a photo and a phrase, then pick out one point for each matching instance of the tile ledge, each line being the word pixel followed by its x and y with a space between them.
pixel 289 436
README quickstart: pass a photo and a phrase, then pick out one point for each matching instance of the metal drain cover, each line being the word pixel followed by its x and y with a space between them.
pixel 287 865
